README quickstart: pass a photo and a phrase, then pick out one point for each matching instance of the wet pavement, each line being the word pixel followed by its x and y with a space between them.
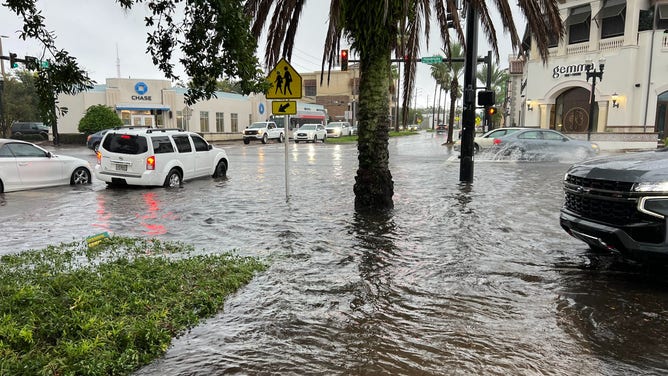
pixel 457 279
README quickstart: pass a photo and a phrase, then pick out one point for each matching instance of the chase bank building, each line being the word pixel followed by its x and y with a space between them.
pixel 622 46
pixel 157 103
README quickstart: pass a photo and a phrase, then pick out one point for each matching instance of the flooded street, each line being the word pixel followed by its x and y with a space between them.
pixel 458 279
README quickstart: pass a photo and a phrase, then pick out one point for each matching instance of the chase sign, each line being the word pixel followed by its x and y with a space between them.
pixel 141 88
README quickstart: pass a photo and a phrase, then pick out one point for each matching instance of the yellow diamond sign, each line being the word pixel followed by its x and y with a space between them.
pixel 286 82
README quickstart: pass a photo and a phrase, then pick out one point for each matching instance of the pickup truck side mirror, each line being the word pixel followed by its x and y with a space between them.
pixel 210 146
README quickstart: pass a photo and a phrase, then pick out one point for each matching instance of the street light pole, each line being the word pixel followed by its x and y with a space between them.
pixel 593 74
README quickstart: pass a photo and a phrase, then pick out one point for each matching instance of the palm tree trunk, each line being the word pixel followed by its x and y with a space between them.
pixel 453 98
pixel 373 187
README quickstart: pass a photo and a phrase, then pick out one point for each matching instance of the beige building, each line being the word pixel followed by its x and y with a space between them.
pixel 158 103
pixel 338 96
pixel 628 42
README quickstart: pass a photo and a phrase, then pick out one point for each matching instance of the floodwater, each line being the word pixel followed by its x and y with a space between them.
pixel 458 279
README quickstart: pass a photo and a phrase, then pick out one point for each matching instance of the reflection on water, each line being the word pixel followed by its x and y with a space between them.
pixel 457 279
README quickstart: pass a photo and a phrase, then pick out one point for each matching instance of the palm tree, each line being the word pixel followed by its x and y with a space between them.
pixel 498 83
pixel 456 69
pixel 372 27
pixel 440 72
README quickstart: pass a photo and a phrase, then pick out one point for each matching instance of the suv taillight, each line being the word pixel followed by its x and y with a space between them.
pixel 99 157
pixel 150 163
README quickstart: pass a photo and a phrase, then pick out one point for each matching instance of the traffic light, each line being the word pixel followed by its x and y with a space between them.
pixel 12 60
pixel 344 60
pixel 491 111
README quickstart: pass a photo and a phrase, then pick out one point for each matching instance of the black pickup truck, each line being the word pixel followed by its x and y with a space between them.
pixel 620 203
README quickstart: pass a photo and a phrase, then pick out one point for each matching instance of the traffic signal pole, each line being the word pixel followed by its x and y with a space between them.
pixel 468 118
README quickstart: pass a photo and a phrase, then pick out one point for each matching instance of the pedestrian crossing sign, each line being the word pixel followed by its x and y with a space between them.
pixel 286 83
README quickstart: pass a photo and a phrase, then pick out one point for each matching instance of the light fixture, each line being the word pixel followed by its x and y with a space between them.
pixel 615 103
pixel 529 106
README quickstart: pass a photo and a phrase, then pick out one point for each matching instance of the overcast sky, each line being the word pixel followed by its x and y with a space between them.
pixel 92 31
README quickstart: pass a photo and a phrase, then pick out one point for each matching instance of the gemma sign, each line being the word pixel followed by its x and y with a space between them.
pixel 568 70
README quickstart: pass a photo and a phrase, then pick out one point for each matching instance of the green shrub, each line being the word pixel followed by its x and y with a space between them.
pixel 109 309
pixel 72 138
pixel 97 118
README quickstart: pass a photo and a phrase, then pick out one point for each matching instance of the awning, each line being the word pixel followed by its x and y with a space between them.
pixel 142 106
pixel 612 8
pixel 578 15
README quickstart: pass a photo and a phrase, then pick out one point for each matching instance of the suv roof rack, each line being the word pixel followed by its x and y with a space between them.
pixel 164 130
pixel 132 127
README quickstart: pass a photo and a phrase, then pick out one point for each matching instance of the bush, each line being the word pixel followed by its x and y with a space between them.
pixel 97 118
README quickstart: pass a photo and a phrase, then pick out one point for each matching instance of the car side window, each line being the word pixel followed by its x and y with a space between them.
pixel 183 144
pixel 162 144
pixel 5 152
pixel 200 144
pixel 552 136
pixel 26 150
pixel 531 135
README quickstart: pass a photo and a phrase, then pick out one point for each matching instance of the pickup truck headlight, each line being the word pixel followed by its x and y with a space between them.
pixel 661 186
pixel 656 206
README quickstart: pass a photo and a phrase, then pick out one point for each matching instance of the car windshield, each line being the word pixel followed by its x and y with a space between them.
pixel 308 127
pixel 258 125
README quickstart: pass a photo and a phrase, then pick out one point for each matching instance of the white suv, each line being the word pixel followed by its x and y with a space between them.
pixel 159 157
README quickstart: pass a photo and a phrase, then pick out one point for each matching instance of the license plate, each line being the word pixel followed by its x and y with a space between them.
pixel 121 167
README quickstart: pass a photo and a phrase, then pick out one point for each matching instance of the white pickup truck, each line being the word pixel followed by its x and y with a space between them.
pixel 263 131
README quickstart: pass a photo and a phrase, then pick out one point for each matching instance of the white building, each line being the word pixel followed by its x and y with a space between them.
pixel 158 103
pixel 630 39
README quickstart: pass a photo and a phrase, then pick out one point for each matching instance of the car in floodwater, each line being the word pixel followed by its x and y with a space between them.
pixel 542 144
pixel 619 203
pixel 311 132
pixel 486 140
pixel 24 166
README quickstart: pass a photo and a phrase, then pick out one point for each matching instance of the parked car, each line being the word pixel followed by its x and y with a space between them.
pixel 486 140
pixel 441 128
pixel 542 144
pixel 24 165
pixel 311 132
pixel 263 131
pixel 619 203
pixel 157 157
pixel 20 128
pixel 93 140
pixel 353 130
pixel 338 129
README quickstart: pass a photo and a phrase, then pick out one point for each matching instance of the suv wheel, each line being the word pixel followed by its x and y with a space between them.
pixel 80 176
pixel 265 138
pixel 173 179
pixel 221 169
pixel 280 138
pixel 2 187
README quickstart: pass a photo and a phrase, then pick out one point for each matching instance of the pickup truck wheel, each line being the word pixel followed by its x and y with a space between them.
pixel 246 141
pixel 265 138
pixel 221 169
pixel 296 141
pixel 315 138
pixel 2 187
pixel 324 138
pixel 280 138
pixel 173 179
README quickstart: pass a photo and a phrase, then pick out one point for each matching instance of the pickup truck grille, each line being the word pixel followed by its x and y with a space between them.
pixel 250 133
pixel 602 200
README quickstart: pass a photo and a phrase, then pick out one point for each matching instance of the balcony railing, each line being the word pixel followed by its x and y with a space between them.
pixel 611 43
pixel 579 48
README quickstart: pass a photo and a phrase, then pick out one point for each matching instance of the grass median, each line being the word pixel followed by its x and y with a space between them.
pixel 110 309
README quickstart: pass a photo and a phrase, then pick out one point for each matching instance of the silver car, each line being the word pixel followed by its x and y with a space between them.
pixel 542 144
pixel 338 129
pixel 311 132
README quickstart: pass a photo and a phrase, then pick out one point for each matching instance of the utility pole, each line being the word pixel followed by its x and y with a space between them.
pixel 469 105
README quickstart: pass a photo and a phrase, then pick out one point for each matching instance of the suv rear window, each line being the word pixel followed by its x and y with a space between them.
pixel 125 143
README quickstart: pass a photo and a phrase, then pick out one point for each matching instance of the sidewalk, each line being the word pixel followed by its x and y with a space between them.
pixel 625 146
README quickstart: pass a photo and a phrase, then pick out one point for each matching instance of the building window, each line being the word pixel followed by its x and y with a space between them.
pixel 578 24
pixel 220 122
pixel 179 120
pixel 204 121
pixel 662 19
pixel 234 122
pixel 310 88
pixel 612 18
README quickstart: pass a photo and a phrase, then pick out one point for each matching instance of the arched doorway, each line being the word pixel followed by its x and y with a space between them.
pixel 570 113
pixel 661 115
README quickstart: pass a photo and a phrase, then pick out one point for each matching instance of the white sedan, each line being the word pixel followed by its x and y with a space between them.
pixel 27 166
pixel 311 132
